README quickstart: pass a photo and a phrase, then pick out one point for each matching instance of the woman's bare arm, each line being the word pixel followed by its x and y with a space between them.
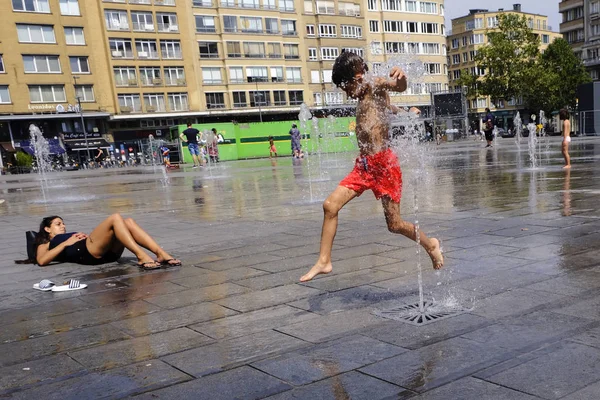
pixel 45 255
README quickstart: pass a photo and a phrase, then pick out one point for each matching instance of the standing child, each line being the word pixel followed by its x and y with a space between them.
pixel 166 155
pixel 566 134
pixel 272 148
pixel 377 167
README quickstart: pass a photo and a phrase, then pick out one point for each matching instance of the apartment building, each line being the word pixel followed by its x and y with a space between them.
pixel 468 35
pixel 581 28
pixel 139 66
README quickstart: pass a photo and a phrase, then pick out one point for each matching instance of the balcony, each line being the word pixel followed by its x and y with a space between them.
pixel 292 57
pixel 290 33
pixel 164 2
pixel 294 81
pixel 156 109
pixel 212 106
pixel 254 55
pixel 272 31
pixel 284 9
pixel 130 109
pixel 571 25
pixel 172 55
pixel 117 26
pixel 589 62
pixel 280 103
pixel 209 55
pixel 139 2
pixel 202 3
pixel 148 55
pixel 227 3
pixel 568 4
pixel 168 28
pixel 175 82
pixel 230 29
pixel 143 27
pixel 234 55
pixel 151 82
pixel 206 29
pixel 248 5
pixel 118 54
pixel 296 102
pixel 240 105
pixel 326 10
pixel 277 79
pixel 275 55
pixel 255 31
pixel 349 13
pixel 212 81
pixel 123 82
pixel 252 79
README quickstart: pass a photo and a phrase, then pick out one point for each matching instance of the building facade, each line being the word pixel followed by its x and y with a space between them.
pixel 581 28
pixel 140 66
pixel 468 35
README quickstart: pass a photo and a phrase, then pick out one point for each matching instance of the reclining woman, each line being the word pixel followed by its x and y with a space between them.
pixel 104 245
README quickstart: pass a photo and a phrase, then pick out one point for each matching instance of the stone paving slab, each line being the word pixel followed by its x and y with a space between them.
pixel 267 298
pixel 472 388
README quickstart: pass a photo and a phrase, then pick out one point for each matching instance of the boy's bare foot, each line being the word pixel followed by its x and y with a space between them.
pixel 317 269
pixel 566 167
pixel 437 258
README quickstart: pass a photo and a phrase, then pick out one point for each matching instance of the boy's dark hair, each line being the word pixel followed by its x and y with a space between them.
pixel 563 114
pixel 189 125
pixel 294 126
pixel 214 130
pixel 270 137
pixel 346 66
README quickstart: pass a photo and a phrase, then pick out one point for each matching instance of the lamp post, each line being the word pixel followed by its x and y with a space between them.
pixel 87 148
pixel 257 94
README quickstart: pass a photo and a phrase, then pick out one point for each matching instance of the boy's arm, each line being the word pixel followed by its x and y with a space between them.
pixel 397 81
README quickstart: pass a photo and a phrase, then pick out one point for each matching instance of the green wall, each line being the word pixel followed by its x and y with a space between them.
pixel 251 140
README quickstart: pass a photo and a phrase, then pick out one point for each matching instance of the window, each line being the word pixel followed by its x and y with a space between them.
pixel 150 76
pixel 41 64
pixel 394 47
pixel 167 22
pixel 236 75
pixel 174 76
pixel 372 5
pixel 47 94
pixel 121 48
pixel 178 101
pixel 472 54
pixel 276 74
pixel 125 76
pixel 428 7
pixel 481 102
pixel 85 93
pixel 492 22
pixel 259 98
pixel 327 74
pixel 208 49
pixel 429 28
pixel 312 54
pixel 230 23
pixel 257 74
pixel 376 48
pixel 293 74
pixel 310 30
pixel 465 41
pixel 373 26
pixel 351 31
pixel 272 25
pixel 233 49
pixel 279 98
pixel 130 103
pixel 146 49
pixel 291 52
pixel 215 100
pixel 251 24
pixel 74 36
pixel 288 27
pixel 315 76
pixel 327 30
pixel 334 98
pixel 432 68
pixel 197 3
pixel 329 53
pixel 456 59
pixel 325 7
pixel 308 7
pixel 4 94
pixel 69 7
pixel 286 5
pixel 431 48
pixel 318 99
pixel 546 38
pixel 170 49
pixel 274 50
pixel 478 39
pixel 155 102
pixel 412 27
pixel 2 70
pixel 211 76
pixel 142 21
pixel 249 3
pixel 40 6
pixel 411 6
pixel 36 33
pixel 79 65
pixel 205 24
pixel 239 99
pixel 465 57
pixel 116 20
pixel 392 26
pixel 455 43
pixel 254 49
pixel 390 5
pixel 356 50
pixel 296 97
pixel 412 48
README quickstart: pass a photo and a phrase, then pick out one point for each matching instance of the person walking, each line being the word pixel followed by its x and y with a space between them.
pixel 296 145
pixel 488 127
pixel 566 134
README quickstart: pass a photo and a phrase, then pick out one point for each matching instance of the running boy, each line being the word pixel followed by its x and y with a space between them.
pixel 377 167
pixel 272 148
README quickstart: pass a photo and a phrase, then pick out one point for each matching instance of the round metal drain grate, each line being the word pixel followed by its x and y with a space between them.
pixel 411 314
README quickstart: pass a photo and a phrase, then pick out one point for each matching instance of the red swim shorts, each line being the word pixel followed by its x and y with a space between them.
pixel 379 172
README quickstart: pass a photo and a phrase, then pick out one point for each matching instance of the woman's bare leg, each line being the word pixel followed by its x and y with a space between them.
pixel 331 207
pixel 143 239
pixel 102 238
pixel 396 224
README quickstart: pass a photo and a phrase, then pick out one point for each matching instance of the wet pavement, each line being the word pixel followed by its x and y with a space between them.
pixel 233 322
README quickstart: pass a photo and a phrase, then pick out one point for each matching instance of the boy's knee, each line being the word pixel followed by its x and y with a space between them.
pixel 330 209
pixel 116 216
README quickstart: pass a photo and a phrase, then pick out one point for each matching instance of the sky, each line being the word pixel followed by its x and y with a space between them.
pixel 459 8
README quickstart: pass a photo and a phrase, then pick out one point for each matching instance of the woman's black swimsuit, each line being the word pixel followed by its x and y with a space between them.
pixel 78 252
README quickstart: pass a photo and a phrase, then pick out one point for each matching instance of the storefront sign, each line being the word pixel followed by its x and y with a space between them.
pixel 59 108
pixel 78 135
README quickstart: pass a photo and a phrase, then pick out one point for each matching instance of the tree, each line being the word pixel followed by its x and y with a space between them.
pixel 470 82
pixel 556 80
pixel 510 58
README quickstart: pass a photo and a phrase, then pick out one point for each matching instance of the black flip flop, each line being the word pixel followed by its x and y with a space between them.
pixel 145 267
pixel 169 264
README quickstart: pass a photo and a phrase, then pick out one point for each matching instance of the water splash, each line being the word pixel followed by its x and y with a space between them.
pixel 532 143
pixel 518 127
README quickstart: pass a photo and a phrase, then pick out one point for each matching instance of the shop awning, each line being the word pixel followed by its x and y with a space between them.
pixel 54 147
pixel 7 146
pixel 79 145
